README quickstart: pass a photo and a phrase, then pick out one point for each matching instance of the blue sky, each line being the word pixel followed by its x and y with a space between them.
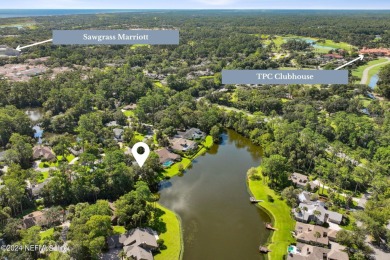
pixel 197 4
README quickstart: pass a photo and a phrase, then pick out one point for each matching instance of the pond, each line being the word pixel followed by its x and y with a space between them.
pixel 374 79
pixel 212 201
pixel 35 114
pixel 312 42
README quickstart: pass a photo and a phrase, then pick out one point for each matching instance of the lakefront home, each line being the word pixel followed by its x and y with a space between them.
pixel 182 145
pixel 309 252
pixel 315 211
pixel 192 134
pixel 301 180
pixel 166 157
pixel 314 235
pixel 138 244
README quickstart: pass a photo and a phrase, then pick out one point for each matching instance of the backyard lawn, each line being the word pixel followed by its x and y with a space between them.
pixel 280 214
pixel 172 236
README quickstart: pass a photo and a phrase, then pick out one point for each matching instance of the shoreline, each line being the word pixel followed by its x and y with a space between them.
pixel 279 240
pixel 163 256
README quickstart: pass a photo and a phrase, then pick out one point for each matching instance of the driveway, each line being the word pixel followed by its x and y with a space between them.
pixel 367 70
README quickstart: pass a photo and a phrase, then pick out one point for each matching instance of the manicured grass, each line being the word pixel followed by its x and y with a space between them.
pixel 208 142
pixel 139 137
pixel 46 233
pixel 358 72
pixel 174 169
pixel 119 230
pixel 172 237
pixel 129 113
pixel 280 214
pixel 48 164
pixel 206 77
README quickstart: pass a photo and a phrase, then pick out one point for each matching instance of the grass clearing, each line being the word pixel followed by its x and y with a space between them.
pixel 172 237
pixel 118 230
pixel 139 137
pixel 46 234
pixel 280 214
pixel 129 113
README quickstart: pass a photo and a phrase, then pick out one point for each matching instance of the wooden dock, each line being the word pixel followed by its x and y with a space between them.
pixel 254 200
pixel 264 250
pixel 269 226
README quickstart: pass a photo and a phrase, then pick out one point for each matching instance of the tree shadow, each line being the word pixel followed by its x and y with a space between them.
pixel 157 223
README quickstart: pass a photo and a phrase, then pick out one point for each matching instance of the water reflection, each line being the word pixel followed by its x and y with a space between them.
pixel 213 203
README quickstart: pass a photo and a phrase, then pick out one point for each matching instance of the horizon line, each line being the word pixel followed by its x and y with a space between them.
pixel 202 9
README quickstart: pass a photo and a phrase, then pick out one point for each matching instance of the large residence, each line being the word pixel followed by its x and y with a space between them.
pixel 192 134
pixel 301 180
pixel 43 152
pixel 166 157
pixel 182 145
pixel 35 218
pixel 377 52
pixel 138 244
pixel 315 211
pixel 309 252
pixel 314 235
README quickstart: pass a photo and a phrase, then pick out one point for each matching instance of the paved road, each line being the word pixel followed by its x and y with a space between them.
pixel 365 72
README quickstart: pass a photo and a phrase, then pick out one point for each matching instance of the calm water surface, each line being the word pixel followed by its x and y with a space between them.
pixel 213 202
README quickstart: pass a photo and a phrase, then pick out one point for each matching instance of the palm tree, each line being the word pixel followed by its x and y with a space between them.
pixel 317 213
pixel 317 235
pixel 304 209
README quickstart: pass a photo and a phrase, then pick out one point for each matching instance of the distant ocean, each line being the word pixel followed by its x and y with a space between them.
pixel 7 13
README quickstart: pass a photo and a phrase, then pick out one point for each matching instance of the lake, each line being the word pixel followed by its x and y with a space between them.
pixel 212 201
pixel 35 114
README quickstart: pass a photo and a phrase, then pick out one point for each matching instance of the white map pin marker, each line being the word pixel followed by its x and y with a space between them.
pixel 140 158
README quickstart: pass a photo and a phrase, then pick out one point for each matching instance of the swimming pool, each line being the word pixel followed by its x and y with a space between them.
pixel 168 163
pixel 292 249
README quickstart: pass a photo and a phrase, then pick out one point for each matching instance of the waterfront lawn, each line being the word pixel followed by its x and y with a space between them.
pixel 170 233
pixel 280 214
pixel 174 169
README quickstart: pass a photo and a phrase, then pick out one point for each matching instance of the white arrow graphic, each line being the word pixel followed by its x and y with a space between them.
pixel 361 56
pixel 37 43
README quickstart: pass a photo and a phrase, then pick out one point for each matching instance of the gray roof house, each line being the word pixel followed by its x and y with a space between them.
pixel 308 215
pixel 138 244
pixel 182 145
pixel 301 180
pixel 118 134
pixel 192 134
pixel 165 155
pixel 310 252
pixel 43 152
